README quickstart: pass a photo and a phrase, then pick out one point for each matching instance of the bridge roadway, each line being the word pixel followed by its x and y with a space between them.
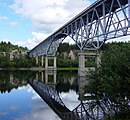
pixel 101 21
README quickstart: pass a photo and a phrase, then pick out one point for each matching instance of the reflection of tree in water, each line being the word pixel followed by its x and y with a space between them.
pixel 67 80
pixel 10 80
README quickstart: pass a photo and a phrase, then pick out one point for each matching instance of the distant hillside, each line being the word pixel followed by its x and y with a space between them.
pixel 8 47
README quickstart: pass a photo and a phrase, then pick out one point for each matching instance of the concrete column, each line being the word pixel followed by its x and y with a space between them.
pixel 81 71
pixel 36 60
pixel 98 61
pixel 50 73
pixel 54 62
pixel 47 67
pixel 82 81
pixel 46 62
pixel 46 76
pixel 42 76
pixel 42 61
pixel 55 77
pixel 82 58
pixel 36 76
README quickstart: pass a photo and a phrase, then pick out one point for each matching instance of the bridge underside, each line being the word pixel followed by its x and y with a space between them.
pixel 103 20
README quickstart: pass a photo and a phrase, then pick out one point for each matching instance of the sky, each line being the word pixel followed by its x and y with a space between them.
pixel 28 22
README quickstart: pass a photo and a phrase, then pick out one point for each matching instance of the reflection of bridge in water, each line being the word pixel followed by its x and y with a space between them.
pixel 86 110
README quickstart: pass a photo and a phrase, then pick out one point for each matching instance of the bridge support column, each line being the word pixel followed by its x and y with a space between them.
pixel 82 70
pixel 42 76
pixel 98 60
pixel 37 61
pixel 37 76
pixel 47 66
pixel 50 76
pixel 82 81
pixel 42 61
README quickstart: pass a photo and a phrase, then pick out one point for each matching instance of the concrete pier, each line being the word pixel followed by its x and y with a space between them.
pixel 82 70
pixel 37 61
pixel 50 77
pixel 47 67
pixel 42 61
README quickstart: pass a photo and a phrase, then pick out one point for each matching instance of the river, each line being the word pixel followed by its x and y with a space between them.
pixel 19 101
pixel 54 95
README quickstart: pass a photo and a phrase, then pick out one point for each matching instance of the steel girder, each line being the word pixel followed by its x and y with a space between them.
pixel 103 20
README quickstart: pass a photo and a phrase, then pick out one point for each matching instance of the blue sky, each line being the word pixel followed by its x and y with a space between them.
pixel 28 22
pixel 13 26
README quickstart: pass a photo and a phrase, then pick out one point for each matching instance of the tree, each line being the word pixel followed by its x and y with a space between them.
pixel 64 47
pixel 112 78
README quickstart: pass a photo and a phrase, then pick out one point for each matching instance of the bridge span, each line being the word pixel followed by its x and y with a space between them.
pixel 101 21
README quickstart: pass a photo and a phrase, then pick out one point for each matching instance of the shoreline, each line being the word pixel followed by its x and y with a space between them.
pixel 35 69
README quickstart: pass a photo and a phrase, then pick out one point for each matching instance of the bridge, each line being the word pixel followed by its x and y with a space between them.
pixel 101 21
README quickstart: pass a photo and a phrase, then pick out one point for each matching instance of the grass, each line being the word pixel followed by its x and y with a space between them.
pixel 67 68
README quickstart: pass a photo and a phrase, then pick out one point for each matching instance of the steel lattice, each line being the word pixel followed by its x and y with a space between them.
pixel 103 20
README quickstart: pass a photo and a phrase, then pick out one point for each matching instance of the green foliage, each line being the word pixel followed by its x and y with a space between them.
pixel 14 79
pixel 6 47
pixel 64 47
pixel 63 59
pixel 66 62
pixel 21 61
pixel 112 77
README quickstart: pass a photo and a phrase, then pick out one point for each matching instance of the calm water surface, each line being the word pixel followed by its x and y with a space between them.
pixel 19 101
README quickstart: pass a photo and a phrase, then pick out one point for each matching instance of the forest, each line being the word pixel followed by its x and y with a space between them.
pixel 21 61
pixel 64 59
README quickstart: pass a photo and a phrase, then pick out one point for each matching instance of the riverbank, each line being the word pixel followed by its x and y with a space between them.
pixel 35 69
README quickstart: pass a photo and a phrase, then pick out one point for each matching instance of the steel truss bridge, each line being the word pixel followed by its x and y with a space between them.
pixel 90 110
pixel 101 21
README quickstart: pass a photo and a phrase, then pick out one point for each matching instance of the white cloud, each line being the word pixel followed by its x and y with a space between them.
pixel 13 107
pixel 3 113
pixel 36 39
pixel 31 90
pixel 39 112
pixel 13 24
pixel 70 99
pixel 49 15
pixel 3 18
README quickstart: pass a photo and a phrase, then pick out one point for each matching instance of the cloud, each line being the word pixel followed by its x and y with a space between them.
pixel 13 24
pixel 49 15
pixel 13 107
pixel 36 39
pixel 3 113
pixel 39 112
pixel 70 99
pixel 31 90
pixel 46 16
pixel 3 18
